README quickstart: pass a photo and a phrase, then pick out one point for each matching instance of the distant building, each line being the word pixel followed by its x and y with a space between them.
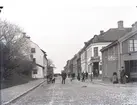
pixel 121 53
pixel 78 62
pixel 67 68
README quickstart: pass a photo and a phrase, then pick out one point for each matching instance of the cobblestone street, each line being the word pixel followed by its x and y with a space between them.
pixel 78 93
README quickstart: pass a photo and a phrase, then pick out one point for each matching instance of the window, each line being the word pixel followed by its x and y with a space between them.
pixel 132 45
pixel 34 60
pixel 35 71
pixel 135 45
pixel 133 65
pixel 32 50
pixel 95 51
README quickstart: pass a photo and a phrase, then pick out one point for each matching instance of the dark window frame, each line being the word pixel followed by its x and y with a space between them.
pixel 132 45
pixel 33 50
pixel 95 51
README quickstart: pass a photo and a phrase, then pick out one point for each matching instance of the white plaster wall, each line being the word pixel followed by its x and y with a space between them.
pixel 39 60
pixel 100 46
pixel 90 52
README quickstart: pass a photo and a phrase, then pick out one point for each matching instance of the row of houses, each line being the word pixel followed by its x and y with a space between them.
pixel 39 57
pixel 107 52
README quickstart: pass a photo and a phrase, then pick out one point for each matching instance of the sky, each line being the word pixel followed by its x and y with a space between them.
pixel 60 27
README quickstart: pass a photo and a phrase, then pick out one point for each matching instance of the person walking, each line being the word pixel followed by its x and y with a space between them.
pixel 78 77
pixel 64 75
pixel 86 75
pixel 83 77
pixel 91 77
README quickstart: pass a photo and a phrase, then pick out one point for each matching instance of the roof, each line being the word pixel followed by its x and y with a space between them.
pixel 110 45
pixel 109 36
pixel 113 35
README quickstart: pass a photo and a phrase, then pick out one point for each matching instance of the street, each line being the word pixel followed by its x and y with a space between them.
pixel 78 93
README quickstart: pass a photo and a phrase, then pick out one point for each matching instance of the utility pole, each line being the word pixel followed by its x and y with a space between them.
pixel 1 7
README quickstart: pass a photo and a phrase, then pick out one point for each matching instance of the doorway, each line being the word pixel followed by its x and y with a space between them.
pixel 96 69
pixel 131 69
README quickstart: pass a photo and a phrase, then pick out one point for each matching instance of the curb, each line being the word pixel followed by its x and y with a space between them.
pixel 116 85
pixel 12 100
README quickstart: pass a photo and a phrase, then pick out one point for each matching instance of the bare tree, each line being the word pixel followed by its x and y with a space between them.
pixel 50 63
pixel 16 50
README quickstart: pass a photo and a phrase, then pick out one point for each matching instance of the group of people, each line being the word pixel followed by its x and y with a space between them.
pixel 84 76
pixel 50 78
pixel 123 77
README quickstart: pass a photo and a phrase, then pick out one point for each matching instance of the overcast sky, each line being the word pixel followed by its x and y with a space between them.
pixel 60 27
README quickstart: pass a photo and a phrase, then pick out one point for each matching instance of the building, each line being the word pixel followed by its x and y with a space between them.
pixel 74 60
pixel 83 57
pixel 45 63
pixel 91 57
pixel 94 56
pixel 121 53
pixel 67 68
pixel 78 62
pixel 38 56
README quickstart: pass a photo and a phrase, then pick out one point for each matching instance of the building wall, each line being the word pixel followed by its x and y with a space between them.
pixel 90 53
pixel 83 61
pixel 75 65
pixel 125 44
pixel 45 64
pixel 110 62
pixel 38 55
pixel 79 65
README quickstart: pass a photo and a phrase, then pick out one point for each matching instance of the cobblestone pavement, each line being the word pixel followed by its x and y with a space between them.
pixel 78 93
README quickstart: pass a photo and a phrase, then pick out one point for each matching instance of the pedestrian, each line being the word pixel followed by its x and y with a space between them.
pixel 78 77
pixel 83 77
pixel 122 76
pixel 64 75
pixel 115 78
pixel 86 75
pixel 91 77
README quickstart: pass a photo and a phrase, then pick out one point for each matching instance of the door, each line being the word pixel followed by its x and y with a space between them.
pixel 127 69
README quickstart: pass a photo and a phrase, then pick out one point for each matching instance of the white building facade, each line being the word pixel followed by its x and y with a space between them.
pixel 38 56
pixel 94 57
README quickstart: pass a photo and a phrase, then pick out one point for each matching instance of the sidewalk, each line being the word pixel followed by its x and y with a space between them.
pixel 106 83
pixel 12 93
pixel 133 84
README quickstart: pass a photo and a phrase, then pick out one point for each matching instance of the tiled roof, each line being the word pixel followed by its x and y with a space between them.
pixel 109 36
pixel 110 45
pixel 117 33
pixel 113 34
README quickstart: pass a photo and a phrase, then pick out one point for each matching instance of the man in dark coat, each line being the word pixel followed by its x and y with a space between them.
pixel 123 76
pixel 83 77
pixel 64 75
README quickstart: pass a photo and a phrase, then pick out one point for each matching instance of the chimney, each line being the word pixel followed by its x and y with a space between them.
pixel 25 36
pixel 134 26
pixel 120 24
pixel 101 32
